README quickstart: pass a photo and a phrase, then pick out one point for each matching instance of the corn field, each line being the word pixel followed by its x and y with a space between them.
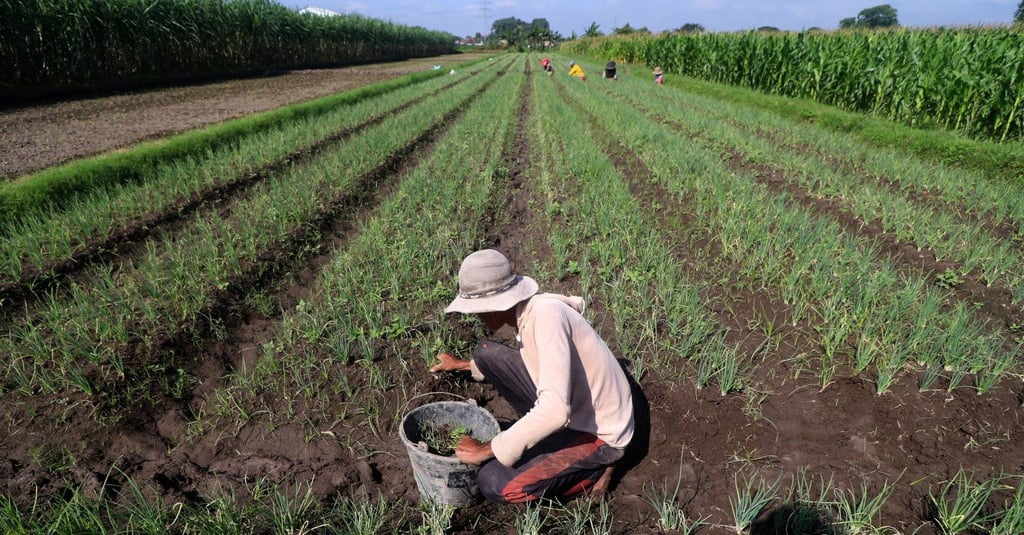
pixel 965 79
pixel 54 43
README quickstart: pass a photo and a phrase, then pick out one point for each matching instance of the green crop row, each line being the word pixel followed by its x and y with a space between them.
pixel 386 285
pixel 943 230
pixel 41 238
pixel 84 338
pixel 53 43
pixel 964 79
pixel 888 321
pixel 659 316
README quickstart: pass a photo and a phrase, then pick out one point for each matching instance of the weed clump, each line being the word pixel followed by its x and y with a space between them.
pixel 441 439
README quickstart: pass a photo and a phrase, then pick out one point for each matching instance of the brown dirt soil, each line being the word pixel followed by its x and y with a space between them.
pixel 780 426
pixel 37 137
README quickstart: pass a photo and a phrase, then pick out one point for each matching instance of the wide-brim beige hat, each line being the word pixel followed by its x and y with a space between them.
pixel 487 283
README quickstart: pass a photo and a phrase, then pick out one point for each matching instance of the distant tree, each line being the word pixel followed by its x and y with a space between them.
pixel 592 31
pixel 1019 15
pixel 881 16
pixel 625 29
pixel 540 27
pixel 509 29
pixel 520 34
pixel 692 27
pixel 769 29
pixel 539 32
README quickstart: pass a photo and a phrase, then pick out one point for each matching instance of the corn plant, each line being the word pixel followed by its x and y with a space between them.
pixel 54 43
pixel 947 77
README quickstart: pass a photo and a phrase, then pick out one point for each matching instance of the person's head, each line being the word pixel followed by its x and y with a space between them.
pixel 571 63
pixel 490 288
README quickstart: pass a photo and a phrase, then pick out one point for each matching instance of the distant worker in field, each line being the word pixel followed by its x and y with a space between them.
pixel 659 76
pixel 546 65
pixel 577 71
pixel 574 399
pixel 609 70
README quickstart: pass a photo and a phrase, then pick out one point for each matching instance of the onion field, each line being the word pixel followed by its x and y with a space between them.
pixel 825 334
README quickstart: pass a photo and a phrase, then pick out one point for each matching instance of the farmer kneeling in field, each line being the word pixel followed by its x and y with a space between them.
pixel 574 398
pixel 577 71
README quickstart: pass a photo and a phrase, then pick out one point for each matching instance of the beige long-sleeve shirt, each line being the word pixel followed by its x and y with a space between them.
pixel 579 383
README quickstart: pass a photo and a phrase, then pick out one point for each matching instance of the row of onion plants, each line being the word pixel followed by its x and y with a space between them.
pixel 658 313
pixel 82 338
pixel 942 231
pixel 37 241
pixel 390 280
pixel 995 199
pixel 877 317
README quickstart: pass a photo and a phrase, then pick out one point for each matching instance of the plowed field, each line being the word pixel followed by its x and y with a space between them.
pixel 301 356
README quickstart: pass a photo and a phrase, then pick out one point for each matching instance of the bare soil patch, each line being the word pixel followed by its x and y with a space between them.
pixel 37 137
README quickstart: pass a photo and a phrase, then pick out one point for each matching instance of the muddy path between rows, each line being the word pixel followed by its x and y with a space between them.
pixel 41 136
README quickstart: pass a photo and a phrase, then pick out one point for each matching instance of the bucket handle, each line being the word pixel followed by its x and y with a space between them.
pixel 405 407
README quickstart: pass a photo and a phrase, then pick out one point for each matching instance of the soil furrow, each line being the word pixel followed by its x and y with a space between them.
pixel 35 282
pixel 508 226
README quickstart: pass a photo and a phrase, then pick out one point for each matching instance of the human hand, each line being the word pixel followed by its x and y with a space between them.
pixel 471 451
pixel 449 363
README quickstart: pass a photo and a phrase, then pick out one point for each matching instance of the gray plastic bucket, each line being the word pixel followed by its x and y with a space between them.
pixel 445 479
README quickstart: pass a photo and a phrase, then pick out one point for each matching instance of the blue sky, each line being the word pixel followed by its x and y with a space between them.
pixel 466 17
